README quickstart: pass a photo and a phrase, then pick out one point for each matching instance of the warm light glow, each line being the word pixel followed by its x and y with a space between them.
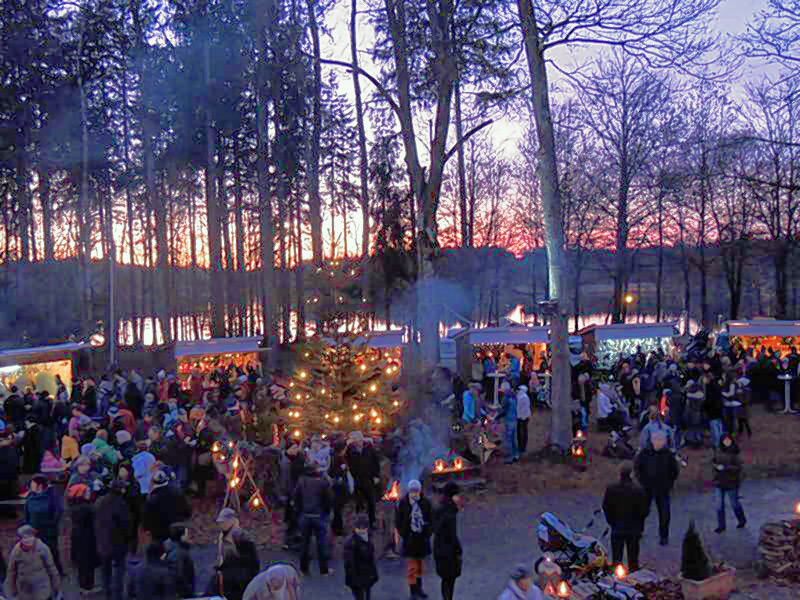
pixel 439 465
pixel 215 447
pixel 458 464
pixel 579 435
pixel 378 421
pixel 357 418
pixel 396 403
pixel 335 419
pixel 236 463
pixel 373 413
pixel 564 590
pixel 620 572
pixel 629 298
pixel 291 384
pixel 394 492
pixel 327 415
pixel 355 406
pixel 234 483
pixel 297 433
pixel 373 388
pixel 230 444
pixel 303 374
pixel 363 367
pixel 298 397
pixel 797 508
pixel 307 355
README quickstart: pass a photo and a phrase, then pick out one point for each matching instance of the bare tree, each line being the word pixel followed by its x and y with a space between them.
pixel 775 34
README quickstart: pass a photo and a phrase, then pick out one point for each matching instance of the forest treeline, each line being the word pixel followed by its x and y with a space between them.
pixel 244 183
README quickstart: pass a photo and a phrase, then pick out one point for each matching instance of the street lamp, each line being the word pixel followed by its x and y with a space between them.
pixel 629 298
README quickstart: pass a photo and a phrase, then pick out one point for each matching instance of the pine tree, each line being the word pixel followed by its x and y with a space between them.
pixel 342 385
pixel 694 561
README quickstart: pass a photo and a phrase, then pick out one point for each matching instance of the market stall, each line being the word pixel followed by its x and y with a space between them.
pixel 205 356
pixel 40 365
pixel 758 334
pixel 527 343
pixel 607 343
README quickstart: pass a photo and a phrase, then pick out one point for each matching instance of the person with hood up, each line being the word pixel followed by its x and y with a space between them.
pixel 43 511
pixel 363 464
pixel 523 417
pixel 313 500
pixel 112 528
pixel 414 523
pixel 31 573
pixel 237 561
pixel 178 554
pixel 626 507
pixel 727 479
pixel 447 551
pixel 125 444
pixel 519 584
pixel 142 463
pixel 103 448
pixel 657 469
pixel 280 581
pixel 164 506
pixel 360 571
pixel 157 578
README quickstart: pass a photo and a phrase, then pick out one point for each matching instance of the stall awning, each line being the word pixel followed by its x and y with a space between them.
pixel 508 335
pixel 763 328
pixel 215 346
pixel 382 339
pixel 40 354
pixel 630 331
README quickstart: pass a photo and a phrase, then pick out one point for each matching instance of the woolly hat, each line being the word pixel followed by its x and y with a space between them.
pixel 26 530
pixel 414 486
pixel 123 436
pixel 226 515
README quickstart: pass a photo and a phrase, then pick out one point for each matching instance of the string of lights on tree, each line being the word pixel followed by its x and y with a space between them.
pixel 342 384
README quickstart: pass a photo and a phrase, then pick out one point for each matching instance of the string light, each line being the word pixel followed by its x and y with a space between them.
pixel 215 447
pixel 373 413
pixel 297 433
pixel 355 406
pixel 373 388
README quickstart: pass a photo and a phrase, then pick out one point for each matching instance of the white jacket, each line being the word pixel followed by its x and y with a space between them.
pixel 523 405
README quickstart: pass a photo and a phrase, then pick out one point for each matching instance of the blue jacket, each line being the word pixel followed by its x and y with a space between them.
pixel 43 512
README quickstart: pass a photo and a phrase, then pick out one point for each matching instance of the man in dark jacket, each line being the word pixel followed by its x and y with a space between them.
pixel 178 554
pixel 157 579
pixel 626 507
pixel 446 545
pixel 112 526
pixel 239 563
pixel 360 571
pixel 43 511
pixel 414 522
pixel 727 479
pixel 165 505
pixel 313 499
pixel 9 470
pixel 366 471
pixel 657 469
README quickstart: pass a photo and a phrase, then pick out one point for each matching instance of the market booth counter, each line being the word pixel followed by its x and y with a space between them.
pixel 205 356
pixel 40 365
pixel 520 340
pixel 760 334
pixel 608 342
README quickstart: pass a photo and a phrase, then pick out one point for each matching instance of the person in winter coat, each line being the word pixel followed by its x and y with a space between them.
pixel 280 581
pixel 626 507
pixel 177 549
pixel 31 573
pixel 447 550
pixel 133 496
pixel 157 580
pixel 519 585
pixel 712 407
pixel 237 563
pixel 523 417
pixel 164 506
pixel 414 523
pixel 362 461
pixel 510 423
pixel 313 501
pixel 43 511
pixel 83 553
pixel 360 571
pixel 9 470
pixel 112 527
pixel 695 398
pixel 727 479
pixel 657 469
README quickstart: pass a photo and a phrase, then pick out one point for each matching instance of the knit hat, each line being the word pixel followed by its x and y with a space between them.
pixel 505 387
pixel 226 515
pixel 520 572
pixel 451 489
pixel 123 436
pixel 26 530
pixel 113 411
pixel 160 479
pixel 87 449
pixel 414 486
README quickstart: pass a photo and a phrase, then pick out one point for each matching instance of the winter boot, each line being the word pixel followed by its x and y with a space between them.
pixel 414 594
pixel 420 593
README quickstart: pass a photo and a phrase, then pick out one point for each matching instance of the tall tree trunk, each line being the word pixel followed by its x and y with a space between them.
pixel 214 251
pixel 22 194
pixel 314 204
pixel 47 212
pixel 621 271
pixel 84 217
pixel 298 271
pixel 112 329
pixel 561 429
pixel 225 235
pixel 462 180
pixel 660 274
pixel 240 257
pixel 362 136
pixel 133 280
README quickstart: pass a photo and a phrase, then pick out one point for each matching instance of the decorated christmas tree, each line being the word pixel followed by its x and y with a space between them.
pixel 341 384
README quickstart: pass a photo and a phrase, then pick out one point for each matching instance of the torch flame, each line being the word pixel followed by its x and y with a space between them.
pixel 458 464
pixel 620 572
pixel 215 447
pixel 797 509
pixel 394 492
pixel 439 465
pixel 563 590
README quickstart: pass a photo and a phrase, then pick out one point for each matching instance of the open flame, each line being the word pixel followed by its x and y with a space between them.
pixel 394 492
pixel 797 509
pixel 439 465
pixel 564 590
pixel 620 572
pixel 458 464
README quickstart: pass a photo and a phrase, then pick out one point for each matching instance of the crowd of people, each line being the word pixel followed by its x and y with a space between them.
pixel 135 448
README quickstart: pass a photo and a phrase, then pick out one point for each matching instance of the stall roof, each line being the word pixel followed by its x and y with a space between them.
pixel 508 335
pixel 763 327
pixel 631 331
pixel 39 354
pixel 382 339
pixel 239 345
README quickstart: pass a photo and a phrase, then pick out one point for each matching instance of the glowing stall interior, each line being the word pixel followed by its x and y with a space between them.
pixel 40 365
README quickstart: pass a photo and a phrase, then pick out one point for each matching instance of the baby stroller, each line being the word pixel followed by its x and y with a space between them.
pixel 579 555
